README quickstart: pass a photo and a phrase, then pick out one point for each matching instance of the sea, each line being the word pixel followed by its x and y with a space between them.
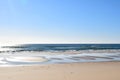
pixel 36 54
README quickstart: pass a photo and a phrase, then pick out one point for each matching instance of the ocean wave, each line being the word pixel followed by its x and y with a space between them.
pixel 61 48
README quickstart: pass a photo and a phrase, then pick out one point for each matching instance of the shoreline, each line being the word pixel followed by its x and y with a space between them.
pixel 70 71
pixel 62 63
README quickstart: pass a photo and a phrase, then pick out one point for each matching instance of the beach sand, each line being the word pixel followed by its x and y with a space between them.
pixel 71 71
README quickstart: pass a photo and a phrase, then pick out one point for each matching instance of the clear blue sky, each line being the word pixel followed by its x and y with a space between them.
pixel 60 21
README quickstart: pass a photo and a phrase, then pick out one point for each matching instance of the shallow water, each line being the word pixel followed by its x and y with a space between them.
pixel 30 58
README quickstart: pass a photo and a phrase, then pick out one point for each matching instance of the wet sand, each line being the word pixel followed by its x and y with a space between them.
pixel 71 71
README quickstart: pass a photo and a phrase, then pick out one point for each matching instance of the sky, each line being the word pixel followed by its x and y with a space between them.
pixel 59 21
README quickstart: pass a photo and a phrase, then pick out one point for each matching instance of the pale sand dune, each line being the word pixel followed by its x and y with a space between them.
pixel 73 71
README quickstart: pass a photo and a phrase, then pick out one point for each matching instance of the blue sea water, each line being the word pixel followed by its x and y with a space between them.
pixel 29 54
pixel 60 47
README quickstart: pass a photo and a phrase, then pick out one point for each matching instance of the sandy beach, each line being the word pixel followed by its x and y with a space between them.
pixel 71 71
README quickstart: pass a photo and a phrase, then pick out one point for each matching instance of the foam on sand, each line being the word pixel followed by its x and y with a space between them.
pixel 27 59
